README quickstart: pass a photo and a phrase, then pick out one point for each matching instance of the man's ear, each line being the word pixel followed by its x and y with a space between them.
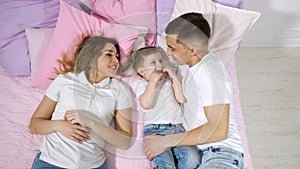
pixel 194 50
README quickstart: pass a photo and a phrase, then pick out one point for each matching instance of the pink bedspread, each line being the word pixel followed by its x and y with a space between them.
pixel 18 147
pixel 17 103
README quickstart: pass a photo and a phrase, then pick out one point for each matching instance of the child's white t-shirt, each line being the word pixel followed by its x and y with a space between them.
pixel 166 109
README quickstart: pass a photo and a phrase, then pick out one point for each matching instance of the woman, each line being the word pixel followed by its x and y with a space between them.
pixel 78 107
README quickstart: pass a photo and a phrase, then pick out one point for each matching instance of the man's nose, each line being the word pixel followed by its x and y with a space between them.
pixel 169 51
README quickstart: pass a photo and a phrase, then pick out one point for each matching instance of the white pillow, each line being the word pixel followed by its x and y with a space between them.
pixel 86 6
pixel 140 41
pixel 38 40
pixel 228 24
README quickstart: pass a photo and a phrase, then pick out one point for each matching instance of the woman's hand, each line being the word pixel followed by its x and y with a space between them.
pixel 76 117
pixel 75 132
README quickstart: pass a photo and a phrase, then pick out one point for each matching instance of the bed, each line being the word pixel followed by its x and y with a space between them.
pixel 35 32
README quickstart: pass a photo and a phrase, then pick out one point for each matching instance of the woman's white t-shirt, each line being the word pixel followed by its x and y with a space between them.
pixel 99 101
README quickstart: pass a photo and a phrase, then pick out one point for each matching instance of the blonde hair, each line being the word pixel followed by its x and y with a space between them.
pixel 86 54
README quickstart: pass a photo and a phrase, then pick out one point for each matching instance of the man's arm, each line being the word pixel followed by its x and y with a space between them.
pixel 215 130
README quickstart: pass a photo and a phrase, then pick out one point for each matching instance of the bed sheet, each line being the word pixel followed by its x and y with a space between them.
pixel 18 147
pixel 17 102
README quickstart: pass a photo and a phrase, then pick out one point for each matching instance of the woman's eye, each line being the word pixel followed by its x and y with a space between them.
pixel 109 54
pixel 160 61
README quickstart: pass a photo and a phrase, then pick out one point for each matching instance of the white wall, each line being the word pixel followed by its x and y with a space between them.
pixel 279 24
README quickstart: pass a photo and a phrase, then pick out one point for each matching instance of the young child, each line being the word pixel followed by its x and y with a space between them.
pixel 159 93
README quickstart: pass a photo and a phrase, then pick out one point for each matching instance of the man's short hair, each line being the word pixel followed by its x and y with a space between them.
pixel 190 27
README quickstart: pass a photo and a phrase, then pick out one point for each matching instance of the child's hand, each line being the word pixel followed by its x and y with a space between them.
pixel 169 71
pixel 155 77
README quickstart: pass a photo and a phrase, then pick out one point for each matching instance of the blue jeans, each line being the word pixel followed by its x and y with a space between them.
pixel 221 157
pixel 40 164
pixel 181 157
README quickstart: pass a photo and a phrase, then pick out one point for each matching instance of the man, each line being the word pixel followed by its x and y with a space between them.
pixel 218 139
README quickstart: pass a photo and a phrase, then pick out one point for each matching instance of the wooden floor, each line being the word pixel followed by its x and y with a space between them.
pixel 269 82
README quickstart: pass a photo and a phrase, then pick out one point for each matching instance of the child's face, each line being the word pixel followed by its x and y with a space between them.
pixel 152 63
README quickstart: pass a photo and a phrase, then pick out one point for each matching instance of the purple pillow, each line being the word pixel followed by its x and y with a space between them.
pixel 15 17
pixel 232 3
pixel 164 10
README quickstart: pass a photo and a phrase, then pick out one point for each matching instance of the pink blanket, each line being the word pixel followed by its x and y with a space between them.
pixel 18 147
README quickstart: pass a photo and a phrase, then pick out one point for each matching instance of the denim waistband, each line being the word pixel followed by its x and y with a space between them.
pixel 162 126
pixel 221 149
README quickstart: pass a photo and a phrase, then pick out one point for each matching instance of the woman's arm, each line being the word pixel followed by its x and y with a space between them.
pixel 41 123
pixel 119 137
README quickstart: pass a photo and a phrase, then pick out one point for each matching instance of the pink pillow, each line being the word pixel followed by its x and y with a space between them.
pixel 38 40
pixel 71 24
pixel 132 12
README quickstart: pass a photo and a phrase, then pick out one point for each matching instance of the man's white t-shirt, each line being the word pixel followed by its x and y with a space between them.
pixel 207 83
pixel 99 101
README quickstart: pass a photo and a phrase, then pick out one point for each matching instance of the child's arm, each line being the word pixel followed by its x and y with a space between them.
pixel 177 87
pixel 148 97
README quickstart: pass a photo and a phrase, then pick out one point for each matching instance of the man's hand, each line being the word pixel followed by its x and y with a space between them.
pixel 155 145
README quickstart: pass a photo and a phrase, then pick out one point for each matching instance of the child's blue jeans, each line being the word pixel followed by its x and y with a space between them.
pixel 181 157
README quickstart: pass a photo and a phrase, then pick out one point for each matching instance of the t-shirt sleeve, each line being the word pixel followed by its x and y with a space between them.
pixel 214 86
pixel 53 91
pixel 140 88
pixel 124 97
